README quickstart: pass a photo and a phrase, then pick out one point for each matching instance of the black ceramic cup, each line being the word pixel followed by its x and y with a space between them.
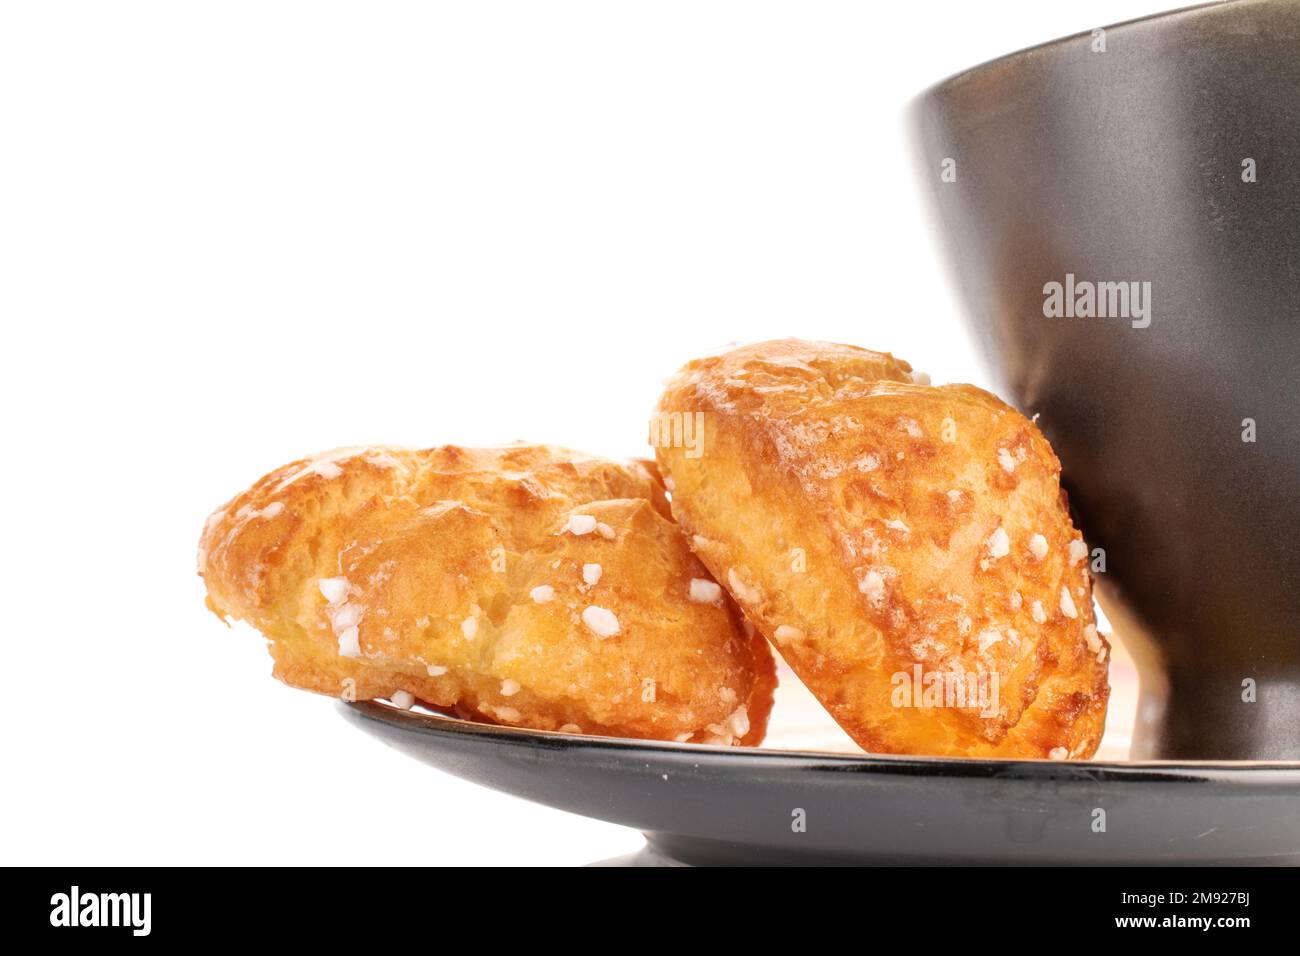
pixel 1122 214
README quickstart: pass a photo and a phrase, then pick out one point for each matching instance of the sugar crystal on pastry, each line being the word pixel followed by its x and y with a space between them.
pixel 602 621
pixel 1038 546
pixel 704 591
pixel 580 524
pixel 334 590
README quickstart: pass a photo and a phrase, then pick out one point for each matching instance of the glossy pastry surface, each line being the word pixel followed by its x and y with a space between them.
pixel 528 585
pixel 906 547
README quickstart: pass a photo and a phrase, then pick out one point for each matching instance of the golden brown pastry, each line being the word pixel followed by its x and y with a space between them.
pixel 902 545
pixel 527 585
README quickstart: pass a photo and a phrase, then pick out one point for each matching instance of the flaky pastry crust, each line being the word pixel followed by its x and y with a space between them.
pixel 891 537
pixel 466 578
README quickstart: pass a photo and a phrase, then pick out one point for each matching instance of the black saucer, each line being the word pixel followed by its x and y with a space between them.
pixel 712 805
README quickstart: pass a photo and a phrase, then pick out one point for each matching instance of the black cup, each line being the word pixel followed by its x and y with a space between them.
pixel 1163 152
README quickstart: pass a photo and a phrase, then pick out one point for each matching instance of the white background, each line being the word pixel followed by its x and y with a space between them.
pixel 232 234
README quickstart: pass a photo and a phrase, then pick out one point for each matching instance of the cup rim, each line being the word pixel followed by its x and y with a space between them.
pixel 1040 49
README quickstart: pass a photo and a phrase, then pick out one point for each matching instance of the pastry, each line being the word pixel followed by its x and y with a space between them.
pixel 526 585
pixel 907 548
